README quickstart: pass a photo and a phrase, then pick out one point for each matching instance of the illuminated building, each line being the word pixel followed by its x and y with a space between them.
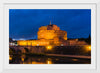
pixel 47 35
pixel 51 35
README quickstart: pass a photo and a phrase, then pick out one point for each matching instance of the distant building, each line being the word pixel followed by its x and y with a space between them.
pixel 50 35
pixel 12 42
pixel 76 42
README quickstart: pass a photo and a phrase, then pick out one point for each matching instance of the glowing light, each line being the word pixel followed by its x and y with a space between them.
pixel 37 44
pixel 33 62
pixel 10 58
pixel 22 59
pixel 49 47
pixel 13 39
pixel 62 45
pixel 49 62
pixel 89 48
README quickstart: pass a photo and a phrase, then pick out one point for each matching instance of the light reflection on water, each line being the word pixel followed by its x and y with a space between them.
pixel 23 59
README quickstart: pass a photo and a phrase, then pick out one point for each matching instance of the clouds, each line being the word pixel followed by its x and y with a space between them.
pixel 25 22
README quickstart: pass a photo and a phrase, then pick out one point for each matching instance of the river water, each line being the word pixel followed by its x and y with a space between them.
pixel 23 59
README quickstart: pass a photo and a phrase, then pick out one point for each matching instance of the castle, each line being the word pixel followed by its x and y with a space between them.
pixel 50 35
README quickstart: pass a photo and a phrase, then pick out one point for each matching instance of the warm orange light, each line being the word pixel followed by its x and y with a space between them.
pixel 10 58
pixel 75 59
pixel 49 47
pixel 22 59
pixel 49 62
pixel 33 62
pixel 89 48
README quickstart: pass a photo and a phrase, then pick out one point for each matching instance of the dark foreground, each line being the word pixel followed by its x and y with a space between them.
pixel 37 59
pixel 54 55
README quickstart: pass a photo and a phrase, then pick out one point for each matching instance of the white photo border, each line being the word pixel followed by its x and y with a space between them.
pixel 96 2
pixel 50 6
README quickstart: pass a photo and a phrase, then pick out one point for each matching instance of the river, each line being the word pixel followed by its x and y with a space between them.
pixel 26 59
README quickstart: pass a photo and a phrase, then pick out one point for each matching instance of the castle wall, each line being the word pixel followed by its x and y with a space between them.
pixel 77 50
pixel 32 42
pixel 51 34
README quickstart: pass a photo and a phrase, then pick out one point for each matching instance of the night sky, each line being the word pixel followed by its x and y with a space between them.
pixel 24 23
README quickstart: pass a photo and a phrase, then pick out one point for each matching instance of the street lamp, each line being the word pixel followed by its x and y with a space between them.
pixel 49 47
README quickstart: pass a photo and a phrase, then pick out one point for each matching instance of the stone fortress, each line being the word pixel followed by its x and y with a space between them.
pixel 51 35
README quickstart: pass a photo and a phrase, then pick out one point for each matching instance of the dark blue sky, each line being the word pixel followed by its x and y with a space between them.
pixel 24 23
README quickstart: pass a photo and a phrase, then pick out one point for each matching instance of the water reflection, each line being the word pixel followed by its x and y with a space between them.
pixel 49 61
pixel 24 59
pixel 10 58
pixel 75 59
